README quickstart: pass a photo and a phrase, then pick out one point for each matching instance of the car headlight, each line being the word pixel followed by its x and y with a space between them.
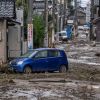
pixel 20 62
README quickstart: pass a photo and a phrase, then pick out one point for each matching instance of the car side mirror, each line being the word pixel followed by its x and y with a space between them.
pixel 59 34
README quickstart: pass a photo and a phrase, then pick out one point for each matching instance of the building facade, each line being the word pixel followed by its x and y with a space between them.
pixel 88 13
pixel 12 43
pixel 39 6
pixel 95 14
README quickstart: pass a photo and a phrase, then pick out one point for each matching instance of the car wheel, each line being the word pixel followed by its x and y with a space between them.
pixel 63 69
pixel 27 70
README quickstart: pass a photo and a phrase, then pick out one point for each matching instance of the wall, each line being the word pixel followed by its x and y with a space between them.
pixel 81 18
pixel 25 47
pixel 14 41
pixel 3 43
pixel 98 31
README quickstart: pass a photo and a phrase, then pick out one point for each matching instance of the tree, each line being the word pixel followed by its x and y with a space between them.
pixel 38 31
pixel 18 3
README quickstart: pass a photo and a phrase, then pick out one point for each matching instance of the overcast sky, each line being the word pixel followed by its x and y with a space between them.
pixel 84 2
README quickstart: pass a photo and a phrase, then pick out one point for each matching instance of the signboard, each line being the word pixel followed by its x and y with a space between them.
pixel 70 21
pixel 7 8
pixel 30 36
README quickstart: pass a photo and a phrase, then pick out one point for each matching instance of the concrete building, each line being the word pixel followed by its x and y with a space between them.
pixel 81 16
pixel 39 6
pixel 7 11
pixel 96 17
pixel 12 43
pixel 88 13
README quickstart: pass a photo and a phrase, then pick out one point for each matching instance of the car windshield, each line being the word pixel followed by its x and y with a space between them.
pixel 63 34
pixel 80 29
pixel 29 54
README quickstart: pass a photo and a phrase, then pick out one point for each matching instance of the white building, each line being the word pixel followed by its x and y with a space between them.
pixel 88 13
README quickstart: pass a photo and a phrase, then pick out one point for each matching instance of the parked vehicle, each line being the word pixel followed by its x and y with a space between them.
pixel 80 29
pixel 42 59
pixel 86 27
pixel 62 36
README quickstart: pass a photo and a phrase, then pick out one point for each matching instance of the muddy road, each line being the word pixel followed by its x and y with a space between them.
pixel 79 83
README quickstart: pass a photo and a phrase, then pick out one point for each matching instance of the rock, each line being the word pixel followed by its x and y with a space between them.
pixel 11 81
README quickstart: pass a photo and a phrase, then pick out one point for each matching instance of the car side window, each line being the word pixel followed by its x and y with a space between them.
pixel 54 53
pixel 41 54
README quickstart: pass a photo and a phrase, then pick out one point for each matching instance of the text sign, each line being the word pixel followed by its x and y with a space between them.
pixel 30 36
pixel 7 8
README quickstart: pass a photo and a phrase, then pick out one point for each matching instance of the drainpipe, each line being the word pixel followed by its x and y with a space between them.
pixel 99 9
pixel 7 47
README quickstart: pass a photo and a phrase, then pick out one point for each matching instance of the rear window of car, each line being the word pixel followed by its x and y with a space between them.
pixel 54 53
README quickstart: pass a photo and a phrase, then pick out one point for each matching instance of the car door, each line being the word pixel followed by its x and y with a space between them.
pixel 40 62
pixel 53 60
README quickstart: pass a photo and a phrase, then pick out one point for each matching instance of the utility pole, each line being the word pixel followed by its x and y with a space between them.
pixel 46 24
pixel 92 17
pixel 53 15
pixel 57 19
pixel 64 13
pixel 75 11
pixel 61 15
pixel 30 24
pixel 75 20
pixel 53 22
pixel 57 14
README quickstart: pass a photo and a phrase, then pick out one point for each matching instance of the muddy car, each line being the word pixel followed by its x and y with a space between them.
pixel 42 59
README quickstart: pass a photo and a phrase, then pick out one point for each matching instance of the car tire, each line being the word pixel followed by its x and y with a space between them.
pixel 63 69
pixel 27 70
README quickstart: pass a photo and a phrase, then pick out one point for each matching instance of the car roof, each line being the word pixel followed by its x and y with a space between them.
pixel 39 49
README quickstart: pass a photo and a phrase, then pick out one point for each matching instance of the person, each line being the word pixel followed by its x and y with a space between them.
pixel 94 36
pixel 94 33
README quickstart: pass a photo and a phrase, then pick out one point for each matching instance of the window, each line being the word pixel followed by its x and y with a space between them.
pixel 53 53
pixel 41 54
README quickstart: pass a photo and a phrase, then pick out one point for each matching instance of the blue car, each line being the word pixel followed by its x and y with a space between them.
pixel 42 59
